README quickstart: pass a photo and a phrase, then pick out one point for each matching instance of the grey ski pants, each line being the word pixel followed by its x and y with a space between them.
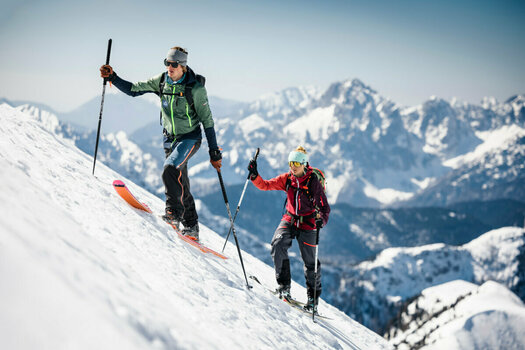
pixel 282 241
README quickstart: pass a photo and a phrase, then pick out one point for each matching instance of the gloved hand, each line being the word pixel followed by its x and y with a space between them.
pixel 252 168
pixel 106 72
pixel 216 159
pixel 318 223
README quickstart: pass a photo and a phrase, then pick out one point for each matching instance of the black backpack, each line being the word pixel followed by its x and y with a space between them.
pixel 187 91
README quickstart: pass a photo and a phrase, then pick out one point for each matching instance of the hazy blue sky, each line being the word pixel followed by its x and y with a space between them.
pixel 406 50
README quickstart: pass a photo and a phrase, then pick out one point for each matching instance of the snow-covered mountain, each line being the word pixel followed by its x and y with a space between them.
pixel 374 152
pixel 82 269
pixel 377 288
pixel 494 169
pixel 118 113
pixel 459 315
pixel 115 149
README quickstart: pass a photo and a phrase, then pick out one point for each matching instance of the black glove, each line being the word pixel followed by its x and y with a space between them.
pixel 106 72
pixel 252 168
pixel 319 223
pixel 215 155
pixel 216 159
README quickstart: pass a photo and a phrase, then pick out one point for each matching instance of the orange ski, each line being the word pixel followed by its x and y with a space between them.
pixel 125 193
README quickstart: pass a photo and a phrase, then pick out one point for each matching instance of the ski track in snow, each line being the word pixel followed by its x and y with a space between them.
pixel 82 269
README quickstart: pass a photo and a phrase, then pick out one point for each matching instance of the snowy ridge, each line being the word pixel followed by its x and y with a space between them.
pixel 399 272
pixel 377 287
pixel 463 316
pixel 84 270
pixel 115 149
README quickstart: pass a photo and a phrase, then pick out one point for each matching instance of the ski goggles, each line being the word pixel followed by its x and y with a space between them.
pixel 173 64
pixel 295 164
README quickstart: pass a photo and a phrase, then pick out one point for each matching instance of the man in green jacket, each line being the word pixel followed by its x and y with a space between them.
pixel 184 107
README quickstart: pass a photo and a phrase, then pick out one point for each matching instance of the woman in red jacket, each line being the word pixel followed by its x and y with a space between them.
pixel 306 206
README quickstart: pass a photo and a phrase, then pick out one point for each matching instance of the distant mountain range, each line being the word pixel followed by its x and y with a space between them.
pixel 375 153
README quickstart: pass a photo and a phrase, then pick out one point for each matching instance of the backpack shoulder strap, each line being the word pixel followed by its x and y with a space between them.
pixel 162 82
pixel 188 93
pixel 309 187
pixel 188 90
pixel 287 186
pixel 161 89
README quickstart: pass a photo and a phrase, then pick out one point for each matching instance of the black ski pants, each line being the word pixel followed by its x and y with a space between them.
pixel 282 241
pixel 177 183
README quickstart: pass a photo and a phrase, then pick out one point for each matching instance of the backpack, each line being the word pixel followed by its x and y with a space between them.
pixel 320 176
pixel 187 91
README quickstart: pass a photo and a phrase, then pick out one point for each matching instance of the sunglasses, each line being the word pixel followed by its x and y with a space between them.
pixel 173 64
pixel 295 164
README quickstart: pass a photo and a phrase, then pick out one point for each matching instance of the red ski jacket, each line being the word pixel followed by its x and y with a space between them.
pixel 302 202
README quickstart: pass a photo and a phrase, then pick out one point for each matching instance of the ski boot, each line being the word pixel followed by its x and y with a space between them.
pixel 191 232
pixel 171 218
pixel 311 305
pixel 284 292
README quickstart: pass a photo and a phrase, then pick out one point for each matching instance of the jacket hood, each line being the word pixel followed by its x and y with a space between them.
pixel 190 77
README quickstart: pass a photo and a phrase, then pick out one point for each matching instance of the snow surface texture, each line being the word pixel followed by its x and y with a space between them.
pixel 463 316
pixel 81 269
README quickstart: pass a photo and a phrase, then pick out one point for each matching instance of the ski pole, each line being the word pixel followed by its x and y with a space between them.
pixel 101 107
pixel 233 228
pixel 240 201
pixel 315 270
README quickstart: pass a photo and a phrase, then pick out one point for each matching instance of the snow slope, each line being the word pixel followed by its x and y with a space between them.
pixel 81 269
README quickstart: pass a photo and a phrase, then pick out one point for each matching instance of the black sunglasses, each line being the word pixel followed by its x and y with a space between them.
pixel 173 64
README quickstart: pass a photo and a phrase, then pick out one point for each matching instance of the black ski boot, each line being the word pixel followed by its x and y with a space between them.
pixel 284 292
pixel 191 232
pixel 311 305
pixel 172 218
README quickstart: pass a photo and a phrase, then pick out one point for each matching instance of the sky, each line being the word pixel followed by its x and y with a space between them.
pixel 407 50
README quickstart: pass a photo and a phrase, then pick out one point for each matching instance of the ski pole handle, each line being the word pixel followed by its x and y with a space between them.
pixel 107 57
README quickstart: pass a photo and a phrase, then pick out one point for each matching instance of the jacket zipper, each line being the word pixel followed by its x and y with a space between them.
pixel 188 114
pixel 172 119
